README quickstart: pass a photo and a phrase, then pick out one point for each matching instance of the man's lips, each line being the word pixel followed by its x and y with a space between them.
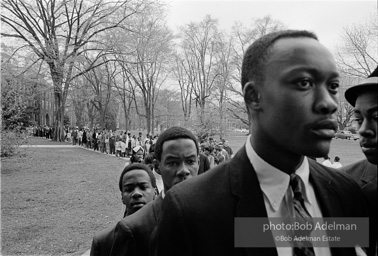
pixel 137 204
pixel 325 128
pixel 368 147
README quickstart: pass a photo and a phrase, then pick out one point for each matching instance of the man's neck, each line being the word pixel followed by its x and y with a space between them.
pixel 284 160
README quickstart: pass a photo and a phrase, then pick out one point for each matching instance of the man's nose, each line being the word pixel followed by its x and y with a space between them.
pixel 137 193
pixel 326 103
pixel 184 171
pixel 366 130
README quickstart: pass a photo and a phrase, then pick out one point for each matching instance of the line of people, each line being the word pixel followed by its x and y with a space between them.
pixel 290 86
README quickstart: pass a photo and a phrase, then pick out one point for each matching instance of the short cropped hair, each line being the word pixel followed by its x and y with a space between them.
pixel 173 133
pixel 137 166
pixel 257 54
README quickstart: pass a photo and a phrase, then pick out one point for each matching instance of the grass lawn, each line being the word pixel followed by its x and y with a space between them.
pixel 53 200
pixel 349 151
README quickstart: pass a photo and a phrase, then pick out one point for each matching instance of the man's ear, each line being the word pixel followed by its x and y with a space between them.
pixel 122 199
pixel 252 96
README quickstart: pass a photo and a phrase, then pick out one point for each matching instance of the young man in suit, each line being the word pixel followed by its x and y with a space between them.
pixel 290 84
pixel 137 185
pixel 177 155
pixel 363 97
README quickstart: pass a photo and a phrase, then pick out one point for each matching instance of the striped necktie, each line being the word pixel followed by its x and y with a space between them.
pixel 302 216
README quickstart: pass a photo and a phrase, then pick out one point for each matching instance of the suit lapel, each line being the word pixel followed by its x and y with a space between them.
pixel 369 174
pixel 328 198
pixel 246 187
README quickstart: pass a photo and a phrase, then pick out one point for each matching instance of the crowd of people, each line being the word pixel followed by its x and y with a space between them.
pixel 120 144
pixel 289 80
pixel 43 131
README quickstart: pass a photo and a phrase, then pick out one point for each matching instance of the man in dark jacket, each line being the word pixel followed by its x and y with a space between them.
pixel 290 86
pixel 177 154
pixel 363 97
pixel 137 185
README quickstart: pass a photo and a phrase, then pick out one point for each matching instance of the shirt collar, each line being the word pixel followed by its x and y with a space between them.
pixel 273 182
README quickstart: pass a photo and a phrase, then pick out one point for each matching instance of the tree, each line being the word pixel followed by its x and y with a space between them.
pixel 344 115
pixel 19 94
pixel 243 38
pixel 101 80
pixel 126 90
pixel 147 64
pixel 357 56
pixel 58 31
pixel 224 69
pixel 198 42
pixel 184 75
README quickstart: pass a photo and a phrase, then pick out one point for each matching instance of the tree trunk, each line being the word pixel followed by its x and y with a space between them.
pixel 59 114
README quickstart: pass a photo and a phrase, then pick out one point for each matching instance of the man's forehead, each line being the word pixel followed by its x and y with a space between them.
pixel 367 99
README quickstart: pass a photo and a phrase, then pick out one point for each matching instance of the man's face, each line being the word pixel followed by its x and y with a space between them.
pixel 298 98
pixel 139 156
pixel 365 114
pixel 137 190
pixel 179 161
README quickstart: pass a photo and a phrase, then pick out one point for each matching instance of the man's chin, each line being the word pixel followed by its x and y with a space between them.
pixel 319 149
pixel 372 158
pixel 136 207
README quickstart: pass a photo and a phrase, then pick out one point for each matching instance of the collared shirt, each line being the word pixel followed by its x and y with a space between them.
pixel 278 195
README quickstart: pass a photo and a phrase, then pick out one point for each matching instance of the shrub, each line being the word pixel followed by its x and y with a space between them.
pixel 10 141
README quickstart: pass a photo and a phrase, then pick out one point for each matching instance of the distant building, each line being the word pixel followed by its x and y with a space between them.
pixel 44 105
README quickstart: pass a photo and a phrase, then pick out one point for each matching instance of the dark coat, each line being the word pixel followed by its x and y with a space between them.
pixel 102 242
pixel 365 174
pixel 132 233
pixel 197 216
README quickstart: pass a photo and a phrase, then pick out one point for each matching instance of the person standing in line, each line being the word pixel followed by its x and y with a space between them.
pixel 137 185
pixel 336 163
pixel 80 137
pixel 177 158
pixel 364 98
pixel 327 161
pixel 112 143
pixel 227 147
pixel 219 157
pixel 289 81
pixel 207 151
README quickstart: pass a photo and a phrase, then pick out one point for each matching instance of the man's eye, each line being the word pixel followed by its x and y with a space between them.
pixel 190 161
pixel 129 189
pixel 334 86
pixel 304 83
pixel 357 121
pixel 171 164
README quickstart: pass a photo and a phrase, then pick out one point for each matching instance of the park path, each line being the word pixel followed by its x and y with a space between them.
pixel 41 142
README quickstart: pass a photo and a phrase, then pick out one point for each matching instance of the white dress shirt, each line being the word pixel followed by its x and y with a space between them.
pixel 278 194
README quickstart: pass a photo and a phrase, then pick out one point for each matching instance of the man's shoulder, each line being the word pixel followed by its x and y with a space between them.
pixel 330 175
pixel 105 234
pixel 143 218
pixel 362 170
pixel 355 168
pixel 211 183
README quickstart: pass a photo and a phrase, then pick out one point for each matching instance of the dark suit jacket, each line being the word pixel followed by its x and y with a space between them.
pixel 365 174
pixel 197 215
pixel 132 234
pixel 102 242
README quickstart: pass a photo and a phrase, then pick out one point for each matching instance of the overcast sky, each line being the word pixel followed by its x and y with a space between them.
pixel 325 18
